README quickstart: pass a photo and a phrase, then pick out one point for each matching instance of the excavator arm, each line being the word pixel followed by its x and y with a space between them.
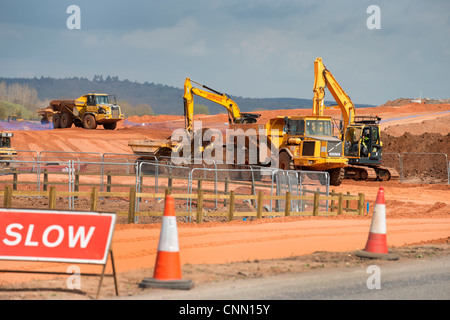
pixel 324 79
pixel 234 112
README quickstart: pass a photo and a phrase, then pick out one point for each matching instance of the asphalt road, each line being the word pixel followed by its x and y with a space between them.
pixel 424 279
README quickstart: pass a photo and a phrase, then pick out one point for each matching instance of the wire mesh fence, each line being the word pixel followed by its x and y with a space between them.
pixel 117 173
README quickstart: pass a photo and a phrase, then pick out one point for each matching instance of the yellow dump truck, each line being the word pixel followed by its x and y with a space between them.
pixel 87 111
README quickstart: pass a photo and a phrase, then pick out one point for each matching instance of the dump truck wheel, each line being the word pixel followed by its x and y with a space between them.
pixel 89 122
pixel 110 126
pixel 66 120
pixel 286 162
pixel 56 121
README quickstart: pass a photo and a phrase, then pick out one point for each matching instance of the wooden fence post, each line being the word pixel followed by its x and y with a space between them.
pixel 361 201
pixel 347 203
pixel 225 191
pixel 15 178
pixel 52 198
pixel 231 206
pixel 332 206
pixel 45 180
pixel 199 206
pixel 287 206
pixel 169 183
pixel 94 198
pixel 108 181
pixel 7 196
pixel 259 207
pixel 132 205
pixel 316 204
pixel 340 203
pixel 77 183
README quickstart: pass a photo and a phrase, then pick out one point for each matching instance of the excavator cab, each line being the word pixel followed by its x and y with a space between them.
pixel 362 143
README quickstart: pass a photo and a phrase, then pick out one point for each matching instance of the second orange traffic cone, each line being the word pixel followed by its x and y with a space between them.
pixel 376 246
pixel 167 273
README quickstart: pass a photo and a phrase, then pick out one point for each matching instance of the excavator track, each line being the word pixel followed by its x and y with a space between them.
pixel 360 173
pixel 378 173
pixel 387 174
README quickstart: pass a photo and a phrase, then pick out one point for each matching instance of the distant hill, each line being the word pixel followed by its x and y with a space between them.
pixel 163 99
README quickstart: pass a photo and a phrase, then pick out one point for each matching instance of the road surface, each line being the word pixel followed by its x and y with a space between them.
pixel 424 279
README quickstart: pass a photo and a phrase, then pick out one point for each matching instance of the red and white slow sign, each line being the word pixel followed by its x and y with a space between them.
pixel 59 236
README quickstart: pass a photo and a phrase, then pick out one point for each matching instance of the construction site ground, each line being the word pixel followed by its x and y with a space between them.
pixel 417 211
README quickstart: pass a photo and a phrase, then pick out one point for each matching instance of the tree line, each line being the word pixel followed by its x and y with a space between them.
pixel 136 98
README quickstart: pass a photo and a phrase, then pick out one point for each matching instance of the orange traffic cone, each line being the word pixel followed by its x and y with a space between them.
pixel 376 246
pixel 167 273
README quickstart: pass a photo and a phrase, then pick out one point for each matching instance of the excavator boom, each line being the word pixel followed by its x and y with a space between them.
pixel 235 115
pixel 324 79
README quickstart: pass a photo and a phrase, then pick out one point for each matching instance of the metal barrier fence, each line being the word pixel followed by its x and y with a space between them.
pixel 436 166
pixel 80 171
pixel 70 172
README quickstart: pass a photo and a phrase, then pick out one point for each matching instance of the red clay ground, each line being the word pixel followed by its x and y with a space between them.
pixel 416 214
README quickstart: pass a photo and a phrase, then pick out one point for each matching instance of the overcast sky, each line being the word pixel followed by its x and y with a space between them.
pixel 249 48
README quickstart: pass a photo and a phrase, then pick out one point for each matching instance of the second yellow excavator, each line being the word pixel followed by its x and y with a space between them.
pixel 234 113
pixel 360 135
pixel 151 149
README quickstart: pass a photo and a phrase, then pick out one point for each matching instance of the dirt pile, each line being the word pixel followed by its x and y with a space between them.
pixel 423 156
pixel 405 101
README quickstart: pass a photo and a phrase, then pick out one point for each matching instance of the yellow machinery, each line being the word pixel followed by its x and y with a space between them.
pixel 360 135
pixel 307 143
pixel 13 118
pixel 234 113
pixel 301 143
pixel 7 153
pixel 149 149
pixel 87 111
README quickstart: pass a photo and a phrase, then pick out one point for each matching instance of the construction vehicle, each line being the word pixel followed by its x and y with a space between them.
pixel 299 142
pixel 87 111
pixel 307 143
pixel 235 116
pixel 151 149
pixel 13 118
pixel 360 135
pixel 7 153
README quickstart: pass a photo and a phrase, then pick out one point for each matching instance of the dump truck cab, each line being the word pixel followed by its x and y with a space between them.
pixel 102 111
pixel 307 143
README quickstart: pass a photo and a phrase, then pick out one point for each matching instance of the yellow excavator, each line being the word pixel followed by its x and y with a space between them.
pixel 235 116
pixel 149 149
pixel 360 135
